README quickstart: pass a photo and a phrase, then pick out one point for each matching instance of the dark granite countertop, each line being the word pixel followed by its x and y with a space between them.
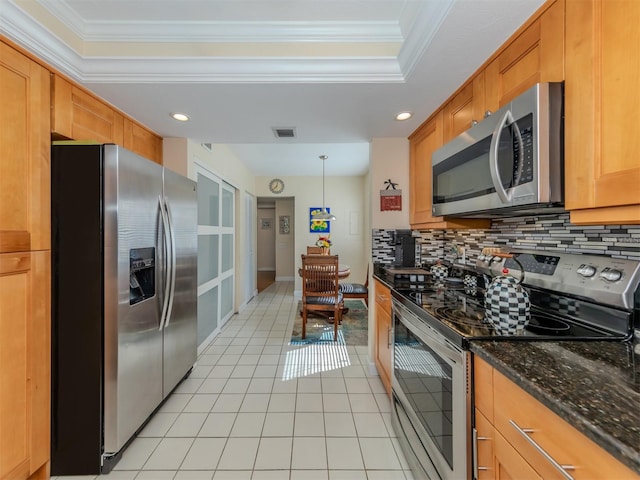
pixel 595 386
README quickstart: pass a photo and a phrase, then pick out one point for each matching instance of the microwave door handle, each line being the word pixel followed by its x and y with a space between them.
pixel 521 150
pixel 493 158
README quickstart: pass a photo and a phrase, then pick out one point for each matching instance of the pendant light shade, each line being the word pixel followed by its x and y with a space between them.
pixel 323 214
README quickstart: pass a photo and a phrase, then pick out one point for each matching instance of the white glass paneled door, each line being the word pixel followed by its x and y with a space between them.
pixel 216 253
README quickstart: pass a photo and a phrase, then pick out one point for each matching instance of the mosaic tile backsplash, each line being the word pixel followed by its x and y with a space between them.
pixel 549 233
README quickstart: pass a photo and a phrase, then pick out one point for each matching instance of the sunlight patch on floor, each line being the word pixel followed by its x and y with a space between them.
pixel 315 358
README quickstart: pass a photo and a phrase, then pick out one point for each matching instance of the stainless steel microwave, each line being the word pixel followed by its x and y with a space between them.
pixel 510 163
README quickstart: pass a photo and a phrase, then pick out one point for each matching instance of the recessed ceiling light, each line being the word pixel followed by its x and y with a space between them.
pixel 404 116
pixel 181 117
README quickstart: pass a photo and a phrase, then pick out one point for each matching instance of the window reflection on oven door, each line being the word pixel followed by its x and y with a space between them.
pixel 429 383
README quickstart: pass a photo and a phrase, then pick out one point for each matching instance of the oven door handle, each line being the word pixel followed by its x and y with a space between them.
pixel 432 338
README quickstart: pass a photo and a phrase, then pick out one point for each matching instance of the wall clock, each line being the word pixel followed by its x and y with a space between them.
pixel 276 185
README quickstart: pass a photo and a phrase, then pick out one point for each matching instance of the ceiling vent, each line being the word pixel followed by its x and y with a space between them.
pixel 284 132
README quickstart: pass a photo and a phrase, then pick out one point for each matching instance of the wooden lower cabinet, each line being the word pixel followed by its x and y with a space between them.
pixel 383 331
pixel 25 359
pixel 484 438
pixel 508 464
pixel 522 428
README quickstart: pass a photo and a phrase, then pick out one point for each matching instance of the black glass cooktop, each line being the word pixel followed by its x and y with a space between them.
pixel 460 310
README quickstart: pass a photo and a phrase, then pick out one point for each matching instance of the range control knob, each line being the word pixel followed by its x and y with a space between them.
pixel 611 274
pixel 586 270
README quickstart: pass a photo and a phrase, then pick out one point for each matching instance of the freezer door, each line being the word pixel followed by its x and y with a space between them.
pixel 133 341
pixel 180 328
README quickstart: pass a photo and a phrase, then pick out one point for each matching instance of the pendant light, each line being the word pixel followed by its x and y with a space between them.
pixel 323 214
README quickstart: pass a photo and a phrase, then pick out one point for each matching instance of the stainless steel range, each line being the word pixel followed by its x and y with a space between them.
pixel 573 297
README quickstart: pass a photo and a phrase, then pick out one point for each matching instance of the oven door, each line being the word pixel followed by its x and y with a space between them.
pixel 430 387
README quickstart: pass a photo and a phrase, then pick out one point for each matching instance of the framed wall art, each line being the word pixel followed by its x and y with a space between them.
pixel 318 226
pixel 284 224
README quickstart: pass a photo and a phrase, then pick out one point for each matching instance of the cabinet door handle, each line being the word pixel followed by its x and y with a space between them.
pixel 389 337
pixel 476 467
pixel 524 432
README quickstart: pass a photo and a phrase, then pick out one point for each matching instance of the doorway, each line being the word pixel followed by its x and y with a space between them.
pixel 276 240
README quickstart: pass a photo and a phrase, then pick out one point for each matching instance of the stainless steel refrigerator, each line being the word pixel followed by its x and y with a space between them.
pixel 124 299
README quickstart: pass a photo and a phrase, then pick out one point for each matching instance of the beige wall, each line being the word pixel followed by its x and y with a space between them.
pixel 389 160
pixel 346 199
pixel 180 154
pixel 266 240
pixel 285 243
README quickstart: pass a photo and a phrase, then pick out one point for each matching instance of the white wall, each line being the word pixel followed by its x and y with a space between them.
pixel 389 160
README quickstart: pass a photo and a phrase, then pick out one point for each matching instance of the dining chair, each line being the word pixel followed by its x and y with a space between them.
pixel 313 250
pixel 320 289
pixel 356 290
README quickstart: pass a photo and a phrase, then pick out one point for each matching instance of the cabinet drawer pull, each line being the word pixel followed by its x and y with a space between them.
pixel 524 432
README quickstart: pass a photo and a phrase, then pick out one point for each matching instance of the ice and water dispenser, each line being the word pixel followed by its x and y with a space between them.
pixel 142 274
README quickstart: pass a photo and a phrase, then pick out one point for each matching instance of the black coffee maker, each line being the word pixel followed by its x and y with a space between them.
pixel 405 246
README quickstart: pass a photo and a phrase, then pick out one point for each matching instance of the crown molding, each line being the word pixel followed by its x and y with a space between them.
pixel 242 70
pixel 244 32
pixel 425 24
pixel 223 31
pixel 19 27
pixel 25 31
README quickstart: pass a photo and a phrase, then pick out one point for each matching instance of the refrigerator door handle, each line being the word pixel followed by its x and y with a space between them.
pixel 166 245
pixel 172 280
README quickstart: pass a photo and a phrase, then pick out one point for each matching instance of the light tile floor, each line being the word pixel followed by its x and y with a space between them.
pixel 257 408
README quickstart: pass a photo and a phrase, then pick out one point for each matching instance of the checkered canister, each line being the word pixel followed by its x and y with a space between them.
pixel 507 304
pixel 439 271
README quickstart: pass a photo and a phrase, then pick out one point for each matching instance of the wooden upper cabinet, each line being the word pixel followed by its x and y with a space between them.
pixel 535 55
pixel 464 108
pixel 77 115
pixel 602 148
pixel 422 143
pixel 24 153
pixel 140 140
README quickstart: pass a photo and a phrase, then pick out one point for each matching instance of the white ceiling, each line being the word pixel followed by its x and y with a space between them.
pixel 335 70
